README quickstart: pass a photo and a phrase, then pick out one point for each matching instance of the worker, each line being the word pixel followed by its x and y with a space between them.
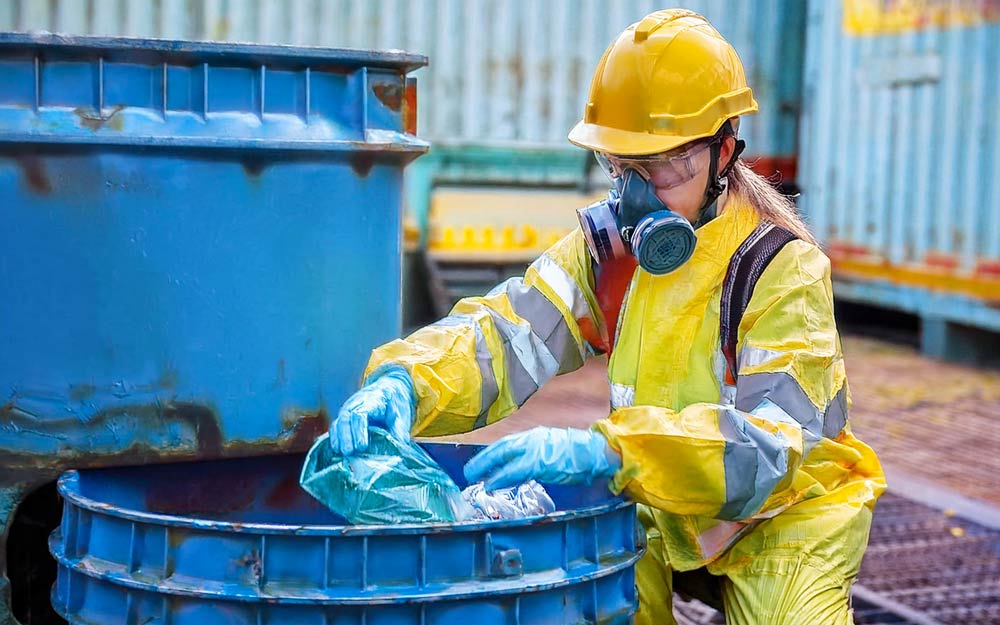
pixel 728 395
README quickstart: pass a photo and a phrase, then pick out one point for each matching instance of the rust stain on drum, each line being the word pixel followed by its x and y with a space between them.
pixel 390 94
pixel 34 174
pixel 362 163
pixel 98 120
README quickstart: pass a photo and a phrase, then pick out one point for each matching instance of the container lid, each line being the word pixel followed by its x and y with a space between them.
pixel 153 92
pixel 135 49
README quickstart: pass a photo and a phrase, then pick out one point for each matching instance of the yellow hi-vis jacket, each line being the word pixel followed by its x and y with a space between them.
pixel 710 460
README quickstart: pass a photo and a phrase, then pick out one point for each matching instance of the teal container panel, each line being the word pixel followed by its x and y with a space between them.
pixel 900 163
pixel 899 152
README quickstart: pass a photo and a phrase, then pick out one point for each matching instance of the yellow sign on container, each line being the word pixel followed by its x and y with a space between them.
pixel 890 17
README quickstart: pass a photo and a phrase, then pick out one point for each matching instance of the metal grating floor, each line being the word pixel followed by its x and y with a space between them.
pixel 922 567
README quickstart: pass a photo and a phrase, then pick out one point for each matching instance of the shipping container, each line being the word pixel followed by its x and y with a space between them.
pixel 900 161
pixel 894 106
pixel 505 78
pixel 505 74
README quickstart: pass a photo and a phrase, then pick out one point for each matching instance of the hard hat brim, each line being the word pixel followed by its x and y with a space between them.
pixel 625 142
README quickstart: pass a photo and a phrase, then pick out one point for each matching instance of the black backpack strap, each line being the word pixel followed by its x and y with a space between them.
pixel 745 268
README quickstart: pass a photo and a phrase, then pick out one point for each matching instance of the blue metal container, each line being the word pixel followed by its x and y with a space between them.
pixel 900 162
pixel 200 245
pixel 200 242
pixel 237 541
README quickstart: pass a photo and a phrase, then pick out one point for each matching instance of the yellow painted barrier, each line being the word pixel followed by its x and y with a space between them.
pixel 501 225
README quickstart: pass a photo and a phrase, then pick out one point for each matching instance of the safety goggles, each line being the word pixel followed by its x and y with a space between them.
pixel 665 171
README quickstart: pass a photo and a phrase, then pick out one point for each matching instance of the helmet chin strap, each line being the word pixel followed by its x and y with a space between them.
pixel 716 184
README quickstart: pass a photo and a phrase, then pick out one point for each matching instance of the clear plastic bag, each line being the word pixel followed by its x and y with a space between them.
pixel 391 482
pixel 526 500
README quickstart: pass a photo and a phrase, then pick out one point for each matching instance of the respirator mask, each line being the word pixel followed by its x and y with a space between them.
pixel 633 220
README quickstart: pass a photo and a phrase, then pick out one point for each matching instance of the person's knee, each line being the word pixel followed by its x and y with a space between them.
pixel 800 595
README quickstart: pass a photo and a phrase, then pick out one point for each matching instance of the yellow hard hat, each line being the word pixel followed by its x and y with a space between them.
pixel 667 80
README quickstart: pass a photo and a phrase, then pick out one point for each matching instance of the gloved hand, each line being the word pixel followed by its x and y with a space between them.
pixel 547 455
pixel 386 400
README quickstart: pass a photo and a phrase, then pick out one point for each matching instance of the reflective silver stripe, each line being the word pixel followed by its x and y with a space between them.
pixel 835 417
pixel 489 391
pixel 527 360
pixel 755 462
pixel 752 356
pixel 727 392
pixel 622 395
pixel 563 285
pixel 776 414
pixel 546 322
pixel 781 389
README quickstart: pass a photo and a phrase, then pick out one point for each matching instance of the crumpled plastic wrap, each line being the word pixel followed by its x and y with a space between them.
pixel 526 500
pixel 391 482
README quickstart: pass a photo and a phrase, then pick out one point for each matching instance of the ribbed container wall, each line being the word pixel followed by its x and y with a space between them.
pixel 512 73
pixel 237 542
pixel 900 163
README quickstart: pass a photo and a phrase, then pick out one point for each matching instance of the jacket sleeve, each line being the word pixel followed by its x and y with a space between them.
pixel 726 461
pixel 491 353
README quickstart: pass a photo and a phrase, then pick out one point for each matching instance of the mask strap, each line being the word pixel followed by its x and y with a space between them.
pixel 715 185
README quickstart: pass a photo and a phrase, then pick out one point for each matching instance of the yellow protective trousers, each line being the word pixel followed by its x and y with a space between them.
pixel 792 569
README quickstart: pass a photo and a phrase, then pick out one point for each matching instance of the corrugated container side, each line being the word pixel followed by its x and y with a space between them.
pixel 511 73
pixel 901 169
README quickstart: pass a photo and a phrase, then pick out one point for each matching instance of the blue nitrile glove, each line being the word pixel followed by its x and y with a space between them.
pixel 386 400
pixel 547 455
